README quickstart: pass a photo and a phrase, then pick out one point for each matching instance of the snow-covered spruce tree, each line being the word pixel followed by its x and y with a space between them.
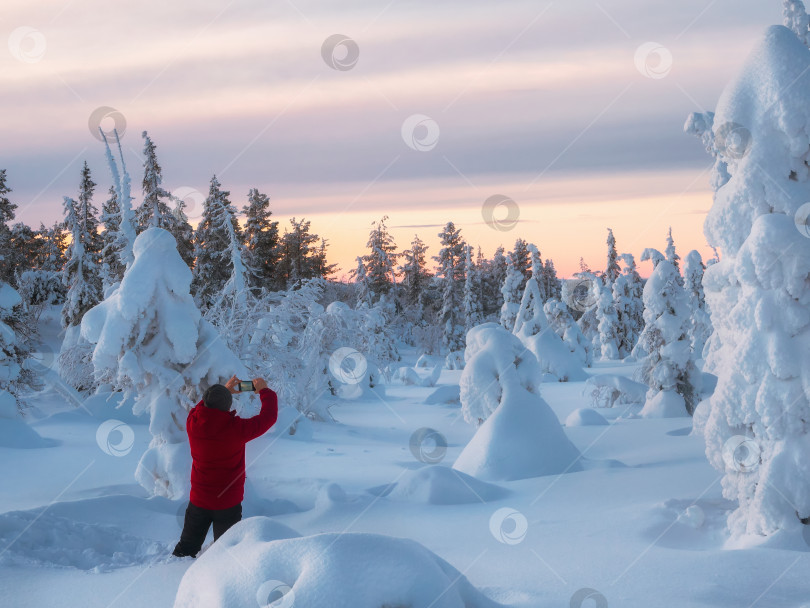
pixel 609 328
pixel 7 210
pixel 493 277
pixel 262 238
pixel 551 284
pixel 380 261
pixel 300 258
pixel 537 271
pixel 450 269
pixel 672 256
pixel 154 211
pixel 563 324
pixel 612 270
pixel 151 342
pixel 42 286
pixel 700 326
pixel 511 294
pixel 415 276
pixel 213 266
pixel 797 20
pixel 668 368
pixel 521 259
pixel 363 294
pixel 628 292
pixel 757 293
pixel 112 270
pixel 473 312
pixel 14 350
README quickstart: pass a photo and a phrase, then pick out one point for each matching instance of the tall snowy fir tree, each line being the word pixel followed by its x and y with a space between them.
pixel 473 312
pixel 112 269
pixel 212 246
pixel 15 376
pixel 7 211
pixel 511 292
pixel 81 274
pixel 451 271
pixel 538 271
pixel 700 327
pixel 672 255
pixel 521 260
pixel 757 293
pixel 415 276
pixel 380 261
pixel 552 286
pixel 262 238
pixel 668 368
pixel 363 293
pixel 608 320
pixel 628 291
pixel 612 270
pixel 493 276
pixel 302 255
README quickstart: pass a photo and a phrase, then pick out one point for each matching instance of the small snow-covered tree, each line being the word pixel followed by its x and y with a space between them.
pixel 473 312
pixel 14 350
pixel 700 326
pixel 80 275
pixel 521 259
pixel 552 286
pixel 493 277
pixel 563 324
pixel 415 276
pixel 627 296
pixel 608 319
pixel 151 342
pixel 668 368
pixel 7 210
pixel 672 255
pixel 450 270
pixel 612 271
pixel 154 211
pixel 361 282
pixel 797 20
pixel 300 257
pixel 112 269
pixel 380 261
pixel 511 292
pixel 262 239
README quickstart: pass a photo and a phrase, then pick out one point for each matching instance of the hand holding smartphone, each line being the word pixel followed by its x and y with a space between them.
pixel 245 386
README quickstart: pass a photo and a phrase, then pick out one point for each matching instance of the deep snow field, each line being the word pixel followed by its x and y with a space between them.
pixel 641 526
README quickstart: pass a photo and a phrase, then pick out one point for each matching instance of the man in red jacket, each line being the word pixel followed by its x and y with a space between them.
pixel 218 437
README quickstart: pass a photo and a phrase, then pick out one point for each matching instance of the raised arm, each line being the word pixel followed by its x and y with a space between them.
pixel 261 423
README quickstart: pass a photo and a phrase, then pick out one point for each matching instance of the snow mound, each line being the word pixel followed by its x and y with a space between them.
pixel 439 485
pixel 665 404
pixel 585 417
pixel 554 356
pixel 610 390
pixel 292 424
pixel 106 404
pixel 43 538
pixel 521 439
pixel 444 394
pixel 17 434
pixel 412 376
pixel 247 566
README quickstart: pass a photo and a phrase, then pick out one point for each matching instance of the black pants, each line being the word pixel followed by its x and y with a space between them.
pixel 196 524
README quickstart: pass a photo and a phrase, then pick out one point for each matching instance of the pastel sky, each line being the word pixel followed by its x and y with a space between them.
pixel 554 104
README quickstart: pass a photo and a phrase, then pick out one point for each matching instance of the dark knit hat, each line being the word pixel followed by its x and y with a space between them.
pixel 218 397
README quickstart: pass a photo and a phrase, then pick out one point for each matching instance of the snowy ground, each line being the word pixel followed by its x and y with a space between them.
pixel 76 530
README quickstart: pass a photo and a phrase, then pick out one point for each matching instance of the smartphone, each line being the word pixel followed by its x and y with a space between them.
pixel 246 386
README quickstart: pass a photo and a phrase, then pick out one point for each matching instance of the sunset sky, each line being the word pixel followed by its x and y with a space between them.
pixel 558 105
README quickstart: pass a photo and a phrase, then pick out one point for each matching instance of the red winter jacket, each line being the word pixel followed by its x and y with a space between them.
pixel 218 441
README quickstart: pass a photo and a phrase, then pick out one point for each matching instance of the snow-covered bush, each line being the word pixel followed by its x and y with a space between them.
pixel 151 342
pixel 563 324
pixel 520 436
pixel 609 390
pixel 668 366
pixel 758 292
pixel 700 325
